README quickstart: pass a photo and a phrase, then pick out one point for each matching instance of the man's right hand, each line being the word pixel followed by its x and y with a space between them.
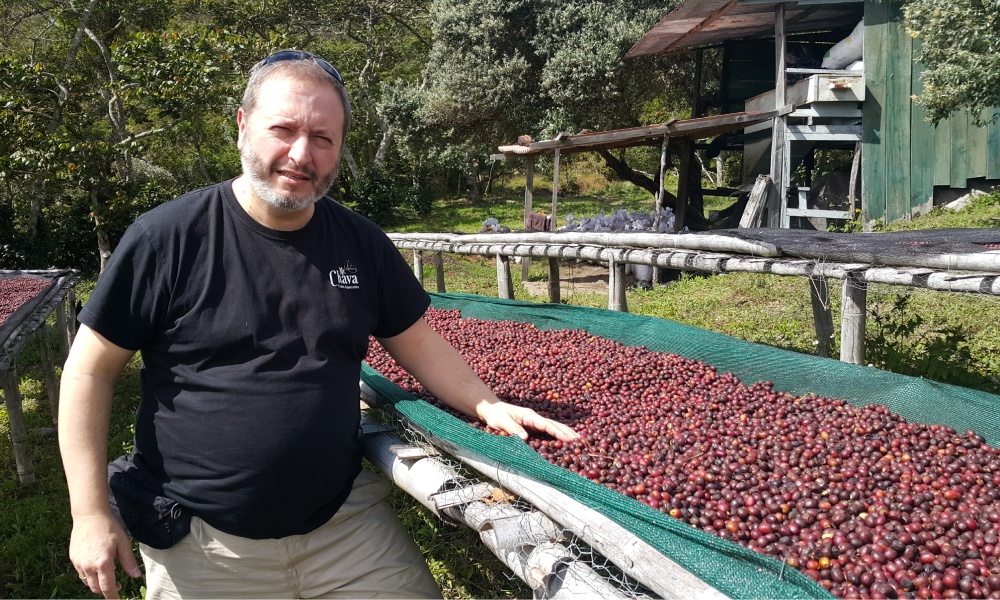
pixel 96 543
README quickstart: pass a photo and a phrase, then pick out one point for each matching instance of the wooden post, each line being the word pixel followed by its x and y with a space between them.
pixel 18 432
pixel 686 148
pixel 505 286
pixel 63 327
pixel 418 266
pixel 529 186
pixel 554 295
pixel 696 95
pixel 855 179
pixel 48 369
pixel 71 313
pixel 853 310
pixel 616 287
pixel 819 292
pixel 779 131
pixel 553 223
pixel 663 174
pixel 439 272
pixel 754 211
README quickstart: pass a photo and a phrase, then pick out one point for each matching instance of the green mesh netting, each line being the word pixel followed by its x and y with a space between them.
pixel 732 569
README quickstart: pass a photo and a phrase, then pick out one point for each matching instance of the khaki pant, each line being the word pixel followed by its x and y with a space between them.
pixel 362 552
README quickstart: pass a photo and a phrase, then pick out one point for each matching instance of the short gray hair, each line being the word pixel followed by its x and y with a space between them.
pixel 304 69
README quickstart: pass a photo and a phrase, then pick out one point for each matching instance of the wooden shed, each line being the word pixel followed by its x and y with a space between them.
pixel 905 162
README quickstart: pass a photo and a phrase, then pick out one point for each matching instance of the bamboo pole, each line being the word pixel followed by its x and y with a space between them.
pixel 418 266
pixel 616 286
pixel 554 294
pixel 689 241
pixel 527 542
pixel 48 370
pixel 505 286
pixel 819 294
pixel 439 272
pixel 15 421
pixel 926 278
pixel 853 311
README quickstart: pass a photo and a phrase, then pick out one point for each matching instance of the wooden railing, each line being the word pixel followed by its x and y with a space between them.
pixel 967 273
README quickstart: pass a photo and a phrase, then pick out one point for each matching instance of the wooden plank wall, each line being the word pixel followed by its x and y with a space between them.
pixel 993 152
pixel 904 156
pixel 873 113
pixel 897 134
pixel 921 179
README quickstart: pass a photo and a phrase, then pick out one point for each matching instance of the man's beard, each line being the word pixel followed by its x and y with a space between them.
pixel 258 173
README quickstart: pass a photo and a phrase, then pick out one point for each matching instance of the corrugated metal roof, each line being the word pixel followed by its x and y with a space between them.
pixel 708 22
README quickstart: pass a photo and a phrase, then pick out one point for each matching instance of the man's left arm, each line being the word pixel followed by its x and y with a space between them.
pixel 442 370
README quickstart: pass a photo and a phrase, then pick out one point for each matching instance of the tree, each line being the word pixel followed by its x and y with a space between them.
pixel 86 92
pixel 498 70
pixel 960 48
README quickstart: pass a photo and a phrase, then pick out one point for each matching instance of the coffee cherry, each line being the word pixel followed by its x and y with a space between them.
pixel 859 499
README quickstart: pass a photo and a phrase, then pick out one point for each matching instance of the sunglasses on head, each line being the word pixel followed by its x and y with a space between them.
pixel 282 55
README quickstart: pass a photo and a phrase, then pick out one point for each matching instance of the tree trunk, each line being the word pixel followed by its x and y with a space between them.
pixel 103 241
pixel 472 184
pixel 352 164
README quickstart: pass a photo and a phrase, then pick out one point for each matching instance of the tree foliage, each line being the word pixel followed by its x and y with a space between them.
pixel 960 48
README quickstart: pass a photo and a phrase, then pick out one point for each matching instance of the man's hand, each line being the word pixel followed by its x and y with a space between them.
pixel 513 420
pixel 96 542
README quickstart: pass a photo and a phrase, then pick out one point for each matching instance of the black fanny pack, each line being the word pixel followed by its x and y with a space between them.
pixel 138 503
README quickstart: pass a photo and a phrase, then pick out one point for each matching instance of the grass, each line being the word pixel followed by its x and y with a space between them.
pixel 34 520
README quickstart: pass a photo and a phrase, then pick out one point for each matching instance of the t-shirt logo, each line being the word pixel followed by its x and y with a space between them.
pixel 345 277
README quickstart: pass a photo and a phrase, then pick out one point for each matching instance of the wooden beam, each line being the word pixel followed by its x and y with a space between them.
pixel 779 140
pixel 439 272
pixel 636 136
pixel 754 212
pixel 705 23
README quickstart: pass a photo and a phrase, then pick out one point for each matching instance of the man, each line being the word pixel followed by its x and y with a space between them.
pixel 252 302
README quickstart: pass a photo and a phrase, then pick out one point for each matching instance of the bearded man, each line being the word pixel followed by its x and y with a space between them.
pixel 251 302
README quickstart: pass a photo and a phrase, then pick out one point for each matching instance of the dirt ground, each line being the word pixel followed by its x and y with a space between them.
pixel 574 277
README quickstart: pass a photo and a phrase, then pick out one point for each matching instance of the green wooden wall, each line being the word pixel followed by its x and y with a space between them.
pixel 904 156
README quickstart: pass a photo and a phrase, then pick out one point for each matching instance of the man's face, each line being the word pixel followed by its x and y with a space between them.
pixel 290 144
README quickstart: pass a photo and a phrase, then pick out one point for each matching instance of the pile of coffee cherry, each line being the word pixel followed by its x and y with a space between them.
pixel 864 502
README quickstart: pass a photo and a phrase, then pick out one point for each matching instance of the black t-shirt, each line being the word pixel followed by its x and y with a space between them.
pixel 252 341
